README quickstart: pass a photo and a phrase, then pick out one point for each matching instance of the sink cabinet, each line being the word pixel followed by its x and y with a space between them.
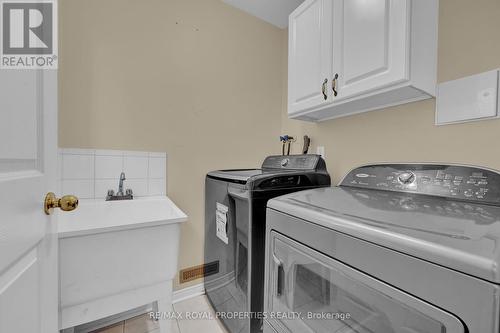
pixel 115 256
pixel 371 54
pixel 109 273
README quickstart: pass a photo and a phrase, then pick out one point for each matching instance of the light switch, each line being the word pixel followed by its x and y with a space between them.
pixel 471 98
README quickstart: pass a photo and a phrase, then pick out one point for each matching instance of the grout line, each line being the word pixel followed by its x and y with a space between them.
pixel 94 155
pixel 147 174
pixel 123 161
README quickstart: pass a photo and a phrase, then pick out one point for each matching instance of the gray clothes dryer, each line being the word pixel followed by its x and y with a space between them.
pixel 235 224
pixel 392 249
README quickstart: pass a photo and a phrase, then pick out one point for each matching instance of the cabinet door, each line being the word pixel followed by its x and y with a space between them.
pixel 371 45
pixel 310 53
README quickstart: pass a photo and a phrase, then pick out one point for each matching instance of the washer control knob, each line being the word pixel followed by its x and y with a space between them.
pixel 406 178
pixel 284 162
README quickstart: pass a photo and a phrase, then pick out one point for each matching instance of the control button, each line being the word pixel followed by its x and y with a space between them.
pixel 454 191
pixel 481 193
pixel 362 175
pixel 482 182
pixel 468 193
pixel 284 162
pixel 406 178
pixel 448 177
pixel 425 180
pixel 457 182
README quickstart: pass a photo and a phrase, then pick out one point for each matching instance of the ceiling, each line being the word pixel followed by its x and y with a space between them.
pixel 273 11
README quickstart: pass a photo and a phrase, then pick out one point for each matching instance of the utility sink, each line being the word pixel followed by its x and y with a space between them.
pixel 115 256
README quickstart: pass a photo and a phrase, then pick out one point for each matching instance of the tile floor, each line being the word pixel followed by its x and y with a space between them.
pixel 143 323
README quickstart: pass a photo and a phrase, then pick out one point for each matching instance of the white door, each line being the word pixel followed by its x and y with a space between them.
pixel 310 55
pixel 371 45
pixel 28 166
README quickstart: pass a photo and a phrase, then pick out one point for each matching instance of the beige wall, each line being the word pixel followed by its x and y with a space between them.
pixel 195 78
pixel 469 42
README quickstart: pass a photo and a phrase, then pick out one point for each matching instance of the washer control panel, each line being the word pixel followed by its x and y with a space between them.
pixel 294 162
pixel 453 181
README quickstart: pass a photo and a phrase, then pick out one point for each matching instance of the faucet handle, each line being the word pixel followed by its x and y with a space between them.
pixel 111 193
pixel 128 191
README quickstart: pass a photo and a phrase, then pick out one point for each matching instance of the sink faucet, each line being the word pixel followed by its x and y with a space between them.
pixel 120 195
pixel 120 185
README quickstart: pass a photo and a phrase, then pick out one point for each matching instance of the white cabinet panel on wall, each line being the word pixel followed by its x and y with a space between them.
pixel 370 45
pixel 310 54
pixel 384 53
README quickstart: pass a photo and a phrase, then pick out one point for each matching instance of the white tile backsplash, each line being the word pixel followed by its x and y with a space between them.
pixel 90 173
pixel 82 188
pixel 158 154
pixel 108 152
pixel 103 185
pixel 157 186
pixel 108 167
pixel 157 167
pixel 138 186
pixel 136 166
pixel 137 153
pixel 77 166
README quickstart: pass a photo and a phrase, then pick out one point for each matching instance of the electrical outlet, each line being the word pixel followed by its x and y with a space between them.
pixel 320 150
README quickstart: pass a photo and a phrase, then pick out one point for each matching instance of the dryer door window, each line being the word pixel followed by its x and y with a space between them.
pixel 310 292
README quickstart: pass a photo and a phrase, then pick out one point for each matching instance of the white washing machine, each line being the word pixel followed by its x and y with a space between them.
pixel 395 248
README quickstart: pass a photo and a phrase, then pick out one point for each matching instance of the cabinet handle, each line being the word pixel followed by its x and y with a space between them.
pixel 323 89
pixel 334 84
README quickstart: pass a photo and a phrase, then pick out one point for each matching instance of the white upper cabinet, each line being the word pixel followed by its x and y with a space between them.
pixel 370 44
pixel 381 53
pixel 309 64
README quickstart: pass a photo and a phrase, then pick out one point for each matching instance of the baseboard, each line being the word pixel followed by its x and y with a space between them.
pixel 189 292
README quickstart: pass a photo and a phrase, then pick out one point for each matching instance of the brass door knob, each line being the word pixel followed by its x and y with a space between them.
pixel 66 203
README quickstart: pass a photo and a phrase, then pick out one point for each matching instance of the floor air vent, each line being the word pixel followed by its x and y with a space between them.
pixel 196 272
